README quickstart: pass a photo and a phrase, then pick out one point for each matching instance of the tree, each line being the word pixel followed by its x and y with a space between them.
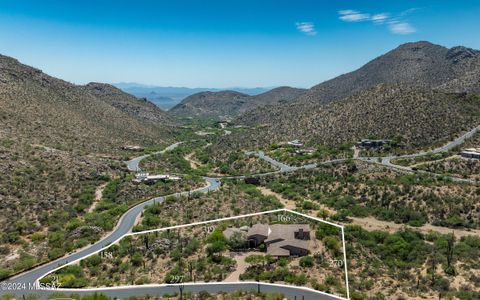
pixel 237 241
pixel 137 259
pixel 449 253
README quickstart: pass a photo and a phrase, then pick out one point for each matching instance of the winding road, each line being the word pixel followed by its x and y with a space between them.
pixel 387 160
pixel 27 283
pixel 127 221
pixel 134 164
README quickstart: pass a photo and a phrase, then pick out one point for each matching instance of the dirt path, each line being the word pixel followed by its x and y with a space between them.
pixel 193 163
pixel 289 204
pixel 356 152
pixel 241 266
pixel 371 224
pixel 98 196
pixel 434 161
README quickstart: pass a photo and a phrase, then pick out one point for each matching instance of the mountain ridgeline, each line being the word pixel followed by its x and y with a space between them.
pixel 226 104
pixel 419 64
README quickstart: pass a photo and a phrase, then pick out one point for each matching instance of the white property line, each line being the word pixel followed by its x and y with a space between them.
pixel 153 285
pixel 345 261
pixel 215 221
pixel 206 222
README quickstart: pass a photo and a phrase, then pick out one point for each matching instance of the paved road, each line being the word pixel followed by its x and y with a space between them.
pixel 124 225
pixel 387 160
pixel 160 290
pixel 134 164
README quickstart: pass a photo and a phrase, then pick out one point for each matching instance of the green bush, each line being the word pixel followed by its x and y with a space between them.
pixel 307 262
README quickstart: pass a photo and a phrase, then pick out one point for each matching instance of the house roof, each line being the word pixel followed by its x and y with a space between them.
pixel 280 238
pixel 286 232
pixel 280 248
pixel 276 250
pixel 258 229
pixel 471 151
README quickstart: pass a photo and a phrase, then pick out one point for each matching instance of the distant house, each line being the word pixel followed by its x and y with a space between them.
pixel 223 123
pixel 295 143
pixel 367 143
pixel 471 153
pixel 304 151
pixel 147 178
pixel 132 148
pixel 280 239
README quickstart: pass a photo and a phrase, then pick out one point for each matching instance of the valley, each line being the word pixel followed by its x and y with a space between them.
pixel 90 168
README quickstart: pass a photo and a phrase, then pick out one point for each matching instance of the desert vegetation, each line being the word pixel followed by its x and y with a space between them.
pixel 232 199
pixel 407 264
pixel 203 253
pixel 361 190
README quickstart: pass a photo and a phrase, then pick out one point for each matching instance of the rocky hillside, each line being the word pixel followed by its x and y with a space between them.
pixel 420 64
pixel 227 104
pixel 57 141
pixel 138 108
pixel 279 95
pixel 210 104
pixel 51 112
pixel 418 117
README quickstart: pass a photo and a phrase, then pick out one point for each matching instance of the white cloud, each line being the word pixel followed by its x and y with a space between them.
pixel 396 24
pixel 306 27
pixel 379 18
pixel 401 28
pixel 349 15
pixel 347 12
pixel 409 11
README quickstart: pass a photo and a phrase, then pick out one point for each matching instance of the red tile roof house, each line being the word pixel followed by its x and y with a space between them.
pixel 280 239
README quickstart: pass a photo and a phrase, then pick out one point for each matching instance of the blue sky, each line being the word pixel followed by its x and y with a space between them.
pixel 223 43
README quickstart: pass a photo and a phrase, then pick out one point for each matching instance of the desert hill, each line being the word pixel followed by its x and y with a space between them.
pixel 226 104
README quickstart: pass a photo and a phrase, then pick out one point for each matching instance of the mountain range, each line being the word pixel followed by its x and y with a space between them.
pixel 421 64
pixel 167 97
pixel 419 92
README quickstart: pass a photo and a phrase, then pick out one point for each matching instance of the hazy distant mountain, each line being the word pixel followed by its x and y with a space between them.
pixel 211 104
pixel 167 97
pixel 227 104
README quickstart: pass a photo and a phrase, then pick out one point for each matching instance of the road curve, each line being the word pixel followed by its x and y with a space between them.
pixel 124 226
pixel 387 160
pixel 133 165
